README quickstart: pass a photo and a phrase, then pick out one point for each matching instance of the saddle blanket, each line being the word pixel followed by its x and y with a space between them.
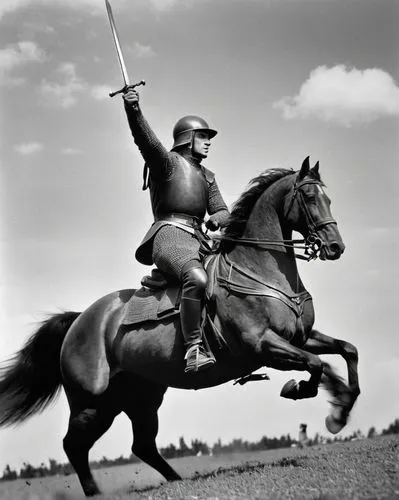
pixel 150 305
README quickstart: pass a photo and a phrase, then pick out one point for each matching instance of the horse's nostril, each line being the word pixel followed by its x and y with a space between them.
pixel 336 248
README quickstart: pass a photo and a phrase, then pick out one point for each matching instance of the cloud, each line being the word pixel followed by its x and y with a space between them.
pixel 343 95
pixel 92 6
pixel 101 92
pixel 142 51
pixel 64 94
pixel 39 27
pixel 28 148
pixel 163 5
pixel 167 5
pixel 12 5
pixel 17 55
pixel 71 151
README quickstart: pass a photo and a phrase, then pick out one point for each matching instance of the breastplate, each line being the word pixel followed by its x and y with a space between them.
pixel 185 192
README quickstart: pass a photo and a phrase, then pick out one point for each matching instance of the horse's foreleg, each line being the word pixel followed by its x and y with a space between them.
pixel 85 428
pixel 318 343
pixel 342 401
pixel 278 353
pixel 143 413
pixel 344 396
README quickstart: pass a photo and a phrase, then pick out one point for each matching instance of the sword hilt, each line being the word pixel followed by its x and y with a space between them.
pixel 126 88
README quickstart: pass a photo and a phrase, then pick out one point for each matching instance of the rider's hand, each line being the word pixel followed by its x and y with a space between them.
pixel 131 98
pixel 212 225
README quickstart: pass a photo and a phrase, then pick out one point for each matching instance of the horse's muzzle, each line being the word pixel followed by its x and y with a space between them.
pixel 332 251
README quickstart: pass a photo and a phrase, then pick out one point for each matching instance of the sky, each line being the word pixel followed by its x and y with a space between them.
pixel 280 80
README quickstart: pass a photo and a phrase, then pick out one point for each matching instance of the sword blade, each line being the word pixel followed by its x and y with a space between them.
pixel 117 44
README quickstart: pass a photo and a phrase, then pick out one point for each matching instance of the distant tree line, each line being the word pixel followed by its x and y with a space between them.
pixel 197 447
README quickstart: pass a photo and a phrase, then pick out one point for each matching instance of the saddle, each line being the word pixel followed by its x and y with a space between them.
pixel 160 294
pixel 159 298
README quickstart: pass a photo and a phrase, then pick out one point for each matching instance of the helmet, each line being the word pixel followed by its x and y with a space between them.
pixel 184 128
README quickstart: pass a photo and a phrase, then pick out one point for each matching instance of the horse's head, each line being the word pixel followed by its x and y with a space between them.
pixel 307 210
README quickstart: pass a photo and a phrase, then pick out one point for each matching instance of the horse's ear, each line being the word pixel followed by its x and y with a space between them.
pixel 305 168
pixel 315 170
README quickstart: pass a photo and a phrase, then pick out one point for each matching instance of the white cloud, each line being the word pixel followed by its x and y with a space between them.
pixel 17 55
pixel 71 151
pixel 93 6
pixel 162 5
pixel 39 27
pixel 12 5
pixel 343 95
pixel 28 148
pixel 101 92
pixel 64 94
pixel 142 51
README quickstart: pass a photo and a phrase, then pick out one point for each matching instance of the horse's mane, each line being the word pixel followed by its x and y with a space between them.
pixel 244 205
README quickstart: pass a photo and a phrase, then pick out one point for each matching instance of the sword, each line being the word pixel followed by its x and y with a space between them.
pixel 121 59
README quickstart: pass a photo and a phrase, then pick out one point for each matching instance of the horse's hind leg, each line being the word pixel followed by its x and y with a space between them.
pixel 143 412
pixel 87 423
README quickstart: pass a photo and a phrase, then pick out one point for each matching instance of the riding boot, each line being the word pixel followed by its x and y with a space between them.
pixel 194 281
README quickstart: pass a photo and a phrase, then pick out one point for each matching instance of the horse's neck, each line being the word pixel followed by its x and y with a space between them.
pixel 276 265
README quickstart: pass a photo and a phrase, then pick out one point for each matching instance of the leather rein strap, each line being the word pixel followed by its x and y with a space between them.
pixel 269 244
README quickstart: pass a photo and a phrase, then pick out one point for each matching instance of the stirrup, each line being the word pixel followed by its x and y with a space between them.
pixel 197 359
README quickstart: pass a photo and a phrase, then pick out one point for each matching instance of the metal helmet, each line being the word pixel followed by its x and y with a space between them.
pixel 184 128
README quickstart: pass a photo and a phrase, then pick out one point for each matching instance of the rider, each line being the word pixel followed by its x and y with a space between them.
pixel 182 191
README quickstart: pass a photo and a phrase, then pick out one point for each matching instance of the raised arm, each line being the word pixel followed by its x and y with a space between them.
pixel 151 148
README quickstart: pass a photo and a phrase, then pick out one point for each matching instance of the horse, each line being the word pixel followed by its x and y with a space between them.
pixel 262 312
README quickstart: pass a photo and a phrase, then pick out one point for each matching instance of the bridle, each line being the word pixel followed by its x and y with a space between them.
pixel 313 242
pixel 313 226
pixel 312 245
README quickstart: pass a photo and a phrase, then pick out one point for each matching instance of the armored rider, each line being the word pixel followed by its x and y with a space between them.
pixel 182 191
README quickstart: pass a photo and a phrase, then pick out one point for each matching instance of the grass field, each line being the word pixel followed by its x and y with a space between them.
pixel 363 469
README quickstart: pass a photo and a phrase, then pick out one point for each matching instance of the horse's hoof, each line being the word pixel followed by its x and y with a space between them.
pixel 91 489
pixel 290 390
pixel 333 425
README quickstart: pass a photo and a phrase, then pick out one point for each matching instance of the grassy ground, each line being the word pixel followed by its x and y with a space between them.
pixel 363 469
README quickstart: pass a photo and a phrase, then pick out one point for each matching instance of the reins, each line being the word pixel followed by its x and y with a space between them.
pixel 310 247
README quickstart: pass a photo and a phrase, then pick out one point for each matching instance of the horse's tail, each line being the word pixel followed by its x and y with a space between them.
pixel 31 379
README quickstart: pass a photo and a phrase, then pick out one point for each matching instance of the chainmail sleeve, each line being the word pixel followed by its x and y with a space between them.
pixel 217 207
pixel 152 150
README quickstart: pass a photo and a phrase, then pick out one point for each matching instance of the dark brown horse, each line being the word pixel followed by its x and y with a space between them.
pixel 262 311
